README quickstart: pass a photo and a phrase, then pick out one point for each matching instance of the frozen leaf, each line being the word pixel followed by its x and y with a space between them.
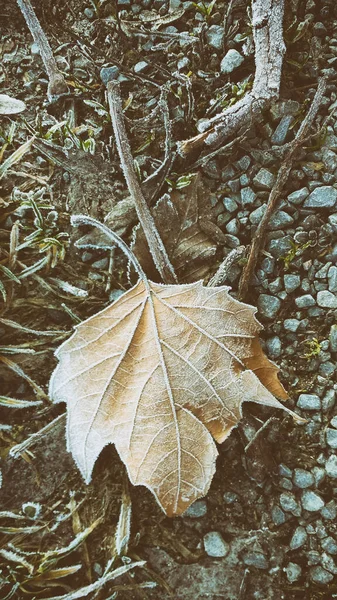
pixel 160 373
pixel 10 106
pixel 181 219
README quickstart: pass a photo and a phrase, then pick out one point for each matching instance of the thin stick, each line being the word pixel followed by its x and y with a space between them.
pixel 57 85
pixel 156 246
pixel 282 176
pixel 221 275
pixel 267 17
pixel 15 451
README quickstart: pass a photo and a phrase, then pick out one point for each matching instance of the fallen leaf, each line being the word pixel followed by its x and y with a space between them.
pixel 158 373
pixel 180 219
pixel 10 106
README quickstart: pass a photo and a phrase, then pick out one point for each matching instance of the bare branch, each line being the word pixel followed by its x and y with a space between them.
pixel 269 50
pixel 57 85
pixel 153 238
pixel 282 176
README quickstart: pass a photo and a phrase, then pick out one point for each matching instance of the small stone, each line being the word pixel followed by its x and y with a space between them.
pixel 230 204
pixel 331 466
pixel 293 572
pixel 196 510
pixel 326 299
pixel 303 479
pixel 184 63
pixel 243 163
pixel 284 470
pixel 274 346
pixel 230 497
pixel 255 559
pixel 103 263
pixel 322 197
pixel 280 220
pixel 313 556
pixel 305 301
pixel 35 50
pixel 329 511
pixel 332 277
pixel 328 563
pixel 291 325
pixel 278 515
pixel 115 294
pixel 279 248
pixel 89 13
pixel 264 179
pixel 309 402
pixel 231 61
pixel 311 501
pixel 141 66
pixel 281 130
pixel 215 36
pixel 320 575
pixel 215 545
pixel 331 437
pixel 333 422
pixel 298 539
pixel 286 483
pixel 333 338
pixel 257 214
pixel 328 401
pixel 289 504
pixel 298 196
pixel 108 74
pixel 268 305
pixel 291 282
pixel 319 475
pixel 247 196
pixel 329 544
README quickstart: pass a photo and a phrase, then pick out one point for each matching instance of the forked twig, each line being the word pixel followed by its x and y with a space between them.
pixel 282 176
pixel 156 246
pixel 267 17
pixel 57 85
pixel 221 275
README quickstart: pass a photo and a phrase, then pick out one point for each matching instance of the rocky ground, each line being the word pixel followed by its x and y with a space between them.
pixel 267 528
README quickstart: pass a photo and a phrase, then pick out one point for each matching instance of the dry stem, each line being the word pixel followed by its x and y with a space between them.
pixel 57 85
pixel 156 246
pixel 269 50
pixel 282 176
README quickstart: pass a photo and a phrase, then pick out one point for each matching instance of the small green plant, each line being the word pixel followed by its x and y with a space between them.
pixel 294 251
pixel 180 182
pixel 204 9
pixel 314 348
pixel 237 91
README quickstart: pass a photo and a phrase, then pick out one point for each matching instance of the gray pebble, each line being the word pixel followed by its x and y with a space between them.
pixel 278 515
pixel 264 179
pixel 279 248
pixel 196 510
pixel 281 130
pixel 231 61
pixel 247 196
pixel 329 511
pixel 108 74
pixel 230 497
pixel 311 501
pixel 257 214
pixel 320 575
pixel 274 346
pixel 329 544
pixel 279 220
pixel 333 422
pixel 215 545
pixel 291 325
pixel 326 299
pixel 289 504
pixel 255 559
pixel 268 305
pixel 285 471
pixel 319 475
pixel 291 282
pixel 322 197
pixel 230 204
pixel 303 479
pixel 309 402
pixel 141 66
pixel 89 13
pixel 328 563
pixel 328 401
pixel 333 338
pixel 332 276
pixel 331 466
pixel 298 539
pixel 305 301
pixel 331 437
pixel 215 36
pixel 298 196
pixel 293 572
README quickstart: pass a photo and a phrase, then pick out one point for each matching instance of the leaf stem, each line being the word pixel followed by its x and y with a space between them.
pixel 77 220
pixel 156 246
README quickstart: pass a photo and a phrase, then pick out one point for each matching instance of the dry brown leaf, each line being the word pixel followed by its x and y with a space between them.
pixel 158 373
pixel 181 220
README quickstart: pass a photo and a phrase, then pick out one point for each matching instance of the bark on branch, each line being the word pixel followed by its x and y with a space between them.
pixel 267 19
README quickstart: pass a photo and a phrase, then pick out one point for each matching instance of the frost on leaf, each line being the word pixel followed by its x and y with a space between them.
pixel 160 373
pixel 10 106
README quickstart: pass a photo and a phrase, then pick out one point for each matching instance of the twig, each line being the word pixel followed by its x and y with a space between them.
pixel 267 17
pixel 15 451
pixel 156 246
pixel 57 85
pixel 221 275
pixel 282 176
pixel 259 431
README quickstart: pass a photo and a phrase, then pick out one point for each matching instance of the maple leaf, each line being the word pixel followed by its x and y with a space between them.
pixel 160 373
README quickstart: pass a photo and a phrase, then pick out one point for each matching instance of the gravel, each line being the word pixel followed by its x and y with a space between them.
pixel 196 510
pixel 311 501
pixel 331 437
pixel 303 479
pixel 215 37
pixel 329 544
pixel 322 197
pixel 215 545
pixel 231 61
pixel 255 559
pixel 320 575
pixel 326 299
pixel 333 338
pixel 291 282
pixel 264 179
pixel 305 301
pixel 331 466
pixel 298 539
pixel 293 572
pixel 298 196
pixel 289 503
pixel 309 402
pixel 268 306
